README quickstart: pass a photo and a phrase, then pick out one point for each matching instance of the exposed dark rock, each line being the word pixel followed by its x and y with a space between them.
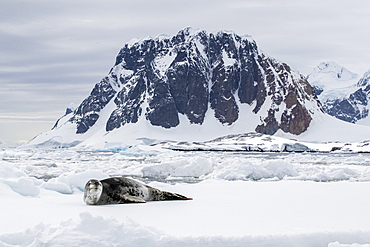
pixel 222 94
pixel 349 109
pixel 189 87
pixel 128 103
pixel 270 125
pixel 87 113
pixel 296 120
pixel 318 90
pixel 162 109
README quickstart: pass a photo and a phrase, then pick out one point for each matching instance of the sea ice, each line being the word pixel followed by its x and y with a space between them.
pixel 239 199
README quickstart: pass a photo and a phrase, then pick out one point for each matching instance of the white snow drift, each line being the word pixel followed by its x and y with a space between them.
pixel 240 199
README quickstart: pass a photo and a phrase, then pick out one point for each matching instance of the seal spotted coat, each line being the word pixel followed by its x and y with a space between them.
pixel 119 190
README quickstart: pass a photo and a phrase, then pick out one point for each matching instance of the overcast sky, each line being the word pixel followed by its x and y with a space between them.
pixel 53 52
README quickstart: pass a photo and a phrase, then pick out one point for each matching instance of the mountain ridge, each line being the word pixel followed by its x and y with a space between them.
pixel 194 85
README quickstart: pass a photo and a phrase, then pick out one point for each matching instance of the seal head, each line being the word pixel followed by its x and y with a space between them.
pixel 93 191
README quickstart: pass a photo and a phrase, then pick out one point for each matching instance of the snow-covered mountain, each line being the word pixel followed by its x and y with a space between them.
pixel 343 94
pixel 196 72
pixel 192 86
pixel 332 81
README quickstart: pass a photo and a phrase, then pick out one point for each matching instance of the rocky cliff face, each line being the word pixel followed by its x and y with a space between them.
pixel 350 109
pixel 195 72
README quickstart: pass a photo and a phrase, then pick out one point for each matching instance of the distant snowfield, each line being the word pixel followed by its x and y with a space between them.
pixel 239 199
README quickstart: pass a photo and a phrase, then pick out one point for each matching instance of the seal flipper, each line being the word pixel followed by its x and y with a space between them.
pixel 132 199
pixel 174 196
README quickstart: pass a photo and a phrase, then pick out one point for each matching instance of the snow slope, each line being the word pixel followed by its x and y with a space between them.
pixel 326 128
pixel 323 129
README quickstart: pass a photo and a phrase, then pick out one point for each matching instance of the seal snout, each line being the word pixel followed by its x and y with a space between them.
pixel 94 185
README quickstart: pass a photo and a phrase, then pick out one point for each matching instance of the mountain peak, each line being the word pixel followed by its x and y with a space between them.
pixel 340 92
pixel 332 81
pixel 331 70
pixel 198 83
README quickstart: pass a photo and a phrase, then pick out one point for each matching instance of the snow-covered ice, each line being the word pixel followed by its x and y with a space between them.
pixel 239 198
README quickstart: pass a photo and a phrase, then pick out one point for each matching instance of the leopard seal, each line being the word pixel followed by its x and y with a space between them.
pixel 119 190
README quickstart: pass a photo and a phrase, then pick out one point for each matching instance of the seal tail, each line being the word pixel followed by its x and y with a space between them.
pixel 173 196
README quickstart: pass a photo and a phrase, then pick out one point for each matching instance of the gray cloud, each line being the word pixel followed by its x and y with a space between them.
pixel 53 52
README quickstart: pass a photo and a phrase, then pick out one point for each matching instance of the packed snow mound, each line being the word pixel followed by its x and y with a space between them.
pixel 16 180
pixel 65 184
pixel 88 230
pixel 11 178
